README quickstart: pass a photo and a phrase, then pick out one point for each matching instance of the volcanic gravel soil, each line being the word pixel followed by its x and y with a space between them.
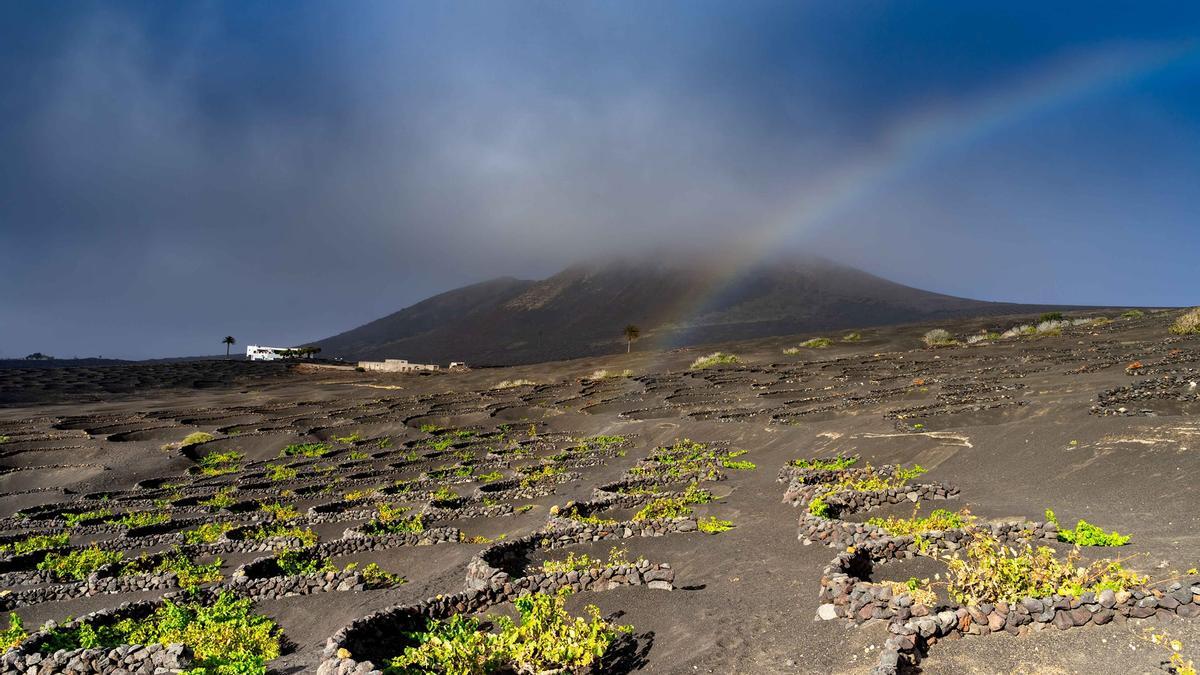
pixel 1015 426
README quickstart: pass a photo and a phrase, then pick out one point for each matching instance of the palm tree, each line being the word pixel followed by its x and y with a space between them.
pixel 228 342
pixel 631 333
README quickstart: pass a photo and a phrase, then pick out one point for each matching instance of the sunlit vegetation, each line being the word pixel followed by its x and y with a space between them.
pixel 688 458
pixel 226 637
pixel 281 472
pixel 194 438
pixel 360 494
pixel 988 571
pixel 140 519
pixel 816 343
pixel 835 464
pixel 714 525
pixel 544 638
pixel 207 533
pixel 221 499
pixel 189 573
pixel 1188 323
pixel 86 517
pixel 78 565
pixel 674 506
pixel 280 530
pixel 714 359
pixel 14 635
pixel 938 520
pixel 541 474
pixel 509 384
pixel 939 337
pixel 1087 534
pixel 395 524
pixel 218 463
pixel 279 511
pixel 305 450
pixel 617 557
pixel 918 589
pixel 375 576
pixel 293 563
pixel 36 542
pixel 867 480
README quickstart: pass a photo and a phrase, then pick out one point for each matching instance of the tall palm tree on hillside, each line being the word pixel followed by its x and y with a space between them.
pixel 229 341
pixel 631 333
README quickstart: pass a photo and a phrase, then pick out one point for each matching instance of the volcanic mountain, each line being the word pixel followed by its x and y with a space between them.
pixel 582 311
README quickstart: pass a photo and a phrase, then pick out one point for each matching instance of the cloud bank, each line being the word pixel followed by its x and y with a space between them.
pixel 280 172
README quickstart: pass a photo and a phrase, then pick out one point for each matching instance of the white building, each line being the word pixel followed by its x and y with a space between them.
pixel 396 366
pixel 257 353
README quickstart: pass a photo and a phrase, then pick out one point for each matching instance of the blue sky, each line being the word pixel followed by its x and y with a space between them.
pixel 174 172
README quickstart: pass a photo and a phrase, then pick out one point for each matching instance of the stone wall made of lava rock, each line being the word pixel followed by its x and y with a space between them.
pixel 363 646
pixel 487 569
pixel 354 540
pixel 853 501
pixel 26 659
pixel 844 591
pixel 93 585
pixel 283 586
pixel 911 637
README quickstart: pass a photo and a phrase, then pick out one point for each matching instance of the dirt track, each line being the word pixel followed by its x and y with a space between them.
pixel 1012 424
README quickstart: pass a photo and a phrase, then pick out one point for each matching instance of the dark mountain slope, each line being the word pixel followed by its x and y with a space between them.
pixel 582 310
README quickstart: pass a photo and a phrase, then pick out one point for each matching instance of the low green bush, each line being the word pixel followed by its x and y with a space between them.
pixel 835 464
pixel 305 450
pixel 206 533
pixel 221 499
pixel 279 472
pixel 293 563
pixel 140 519
pixel 87 517
pixel 1188 323
pixel 939 337
pixel 196 438
pixel 414 524
pixel 36 542
pixel 78 565
pixel 543 639
pixel 226 637
pixel 988 571
pixel 14 635
pixel 189 573
pixel 280 530
pixel 1087 534
pixel 712 525
pixel 217 463
pixel 938 520
pixel 714 359
pixel 617 557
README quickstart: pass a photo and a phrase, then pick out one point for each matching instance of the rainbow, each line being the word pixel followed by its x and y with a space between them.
pixel 922 138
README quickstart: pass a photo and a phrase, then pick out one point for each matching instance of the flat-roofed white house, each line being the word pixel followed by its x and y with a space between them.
pixel 396 366
pixel 257 353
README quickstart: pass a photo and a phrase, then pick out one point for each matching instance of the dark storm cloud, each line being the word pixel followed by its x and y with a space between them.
pixel 173 173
